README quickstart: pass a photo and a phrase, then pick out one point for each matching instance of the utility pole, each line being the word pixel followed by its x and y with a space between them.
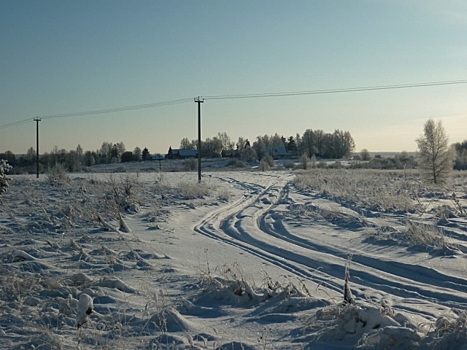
pixel 37 120
pixel 199 100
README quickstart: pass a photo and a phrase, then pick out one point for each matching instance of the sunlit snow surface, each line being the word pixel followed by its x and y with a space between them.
pixel 244 260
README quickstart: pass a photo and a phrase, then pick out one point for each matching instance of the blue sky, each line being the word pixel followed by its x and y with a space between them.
pixel 70 56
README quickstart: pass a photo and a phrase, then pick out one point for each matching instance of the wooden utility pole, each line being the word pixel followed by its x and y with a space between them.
pixel 37 120
pixel 199 100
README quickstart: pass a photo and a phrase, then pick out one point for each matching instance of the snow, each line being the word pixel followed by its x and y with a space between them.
pixel 244 260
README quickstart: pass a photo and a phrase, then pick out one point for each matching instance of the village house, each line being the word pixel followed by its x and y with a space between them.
pixel 181 153
pixel 277 152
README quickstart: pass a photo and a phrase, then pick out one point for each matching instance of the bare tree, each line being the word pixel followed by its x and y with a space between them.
pixel 225 139
pixel 186 144
pixel 436 156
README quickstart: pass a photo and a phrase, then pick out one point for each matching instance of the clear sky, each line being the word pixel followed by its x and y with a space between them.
pixel 66 56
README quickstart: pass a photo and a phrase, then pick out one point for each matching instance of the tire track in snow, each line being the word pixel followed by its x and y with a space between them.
pixel 244 224
pixel 212 226
pixel 406 280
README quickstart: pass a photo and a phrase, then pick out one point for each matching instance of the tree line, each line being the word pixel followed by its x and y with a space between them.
pixel 313 143
pixel 74 160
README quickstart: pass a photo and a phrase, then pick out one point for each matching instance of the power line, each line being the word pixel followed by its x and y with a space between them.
pixel 102 111
pixel 241 96
pixel 335 91
pixel 16 123
pixel 119 109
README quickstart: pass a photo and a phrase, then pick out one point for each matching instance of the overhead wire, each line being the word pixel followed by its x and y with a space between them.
pixel 16 123
pixel 241 96
pixel 101 111
pixel 118 109
pixel 335 91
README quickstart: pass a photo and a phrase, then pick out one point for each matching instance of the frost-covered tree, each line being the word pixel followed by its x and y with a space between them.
pixel 364 154
pixel 10 157
pixel 186 144
pixel 227 144
pixel 137 154
pixel 89 158
pixel 115 158
pixel 211 148
pixel 276 140
pixel 304 161
pixel 260 146
pixel 105 153
pixel 461 155
pixel 241 144
pixel 309 143
pixel 116 152
pixel 436 157
pixel 121 148
pixel 31 156
pixel 248 154
pixel 319 142
pixel 72 161
pixel 80 152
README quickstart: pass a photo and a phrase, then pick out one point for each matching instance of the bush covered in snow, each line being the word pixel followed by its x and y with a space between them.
pixel 57 176
pixel 4 169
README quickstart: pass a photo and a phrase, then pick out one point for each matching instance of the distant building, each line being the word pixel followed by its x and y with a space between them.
pixel 181 153
pixel 157 156
pixel 230 153
pixel 277 152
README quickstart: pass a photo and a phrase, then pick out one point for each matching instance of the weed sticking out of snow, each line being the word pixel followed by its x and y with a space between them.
pixel 228 285
pixel 425 235
pixel 447 332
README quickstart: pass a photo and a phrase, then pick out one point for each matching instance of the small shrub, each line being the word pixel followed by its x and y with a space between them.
pixel 425 235
pixel 264 165
pixel 249 154
pixel 305 161
pixel 223 195
pixel 336 165
pixel 189 190
pixel 123 190
pixel 236 163
pixel 313 161
pixel 268 159
pixel 57 176
pixel 289 165
pixel 322 165
pixel 4 169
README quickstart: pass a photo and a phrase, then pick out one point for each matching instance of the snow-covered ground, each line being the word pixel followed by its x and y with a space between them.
pixel 244 260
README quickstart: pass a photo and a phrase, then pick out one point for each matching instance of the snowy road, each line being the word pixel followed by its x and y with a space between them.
pixel 262 224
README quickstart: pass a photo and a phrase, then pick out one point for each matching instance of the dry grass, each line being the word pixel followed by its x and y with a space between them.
pixel 189 190
pixel 375 190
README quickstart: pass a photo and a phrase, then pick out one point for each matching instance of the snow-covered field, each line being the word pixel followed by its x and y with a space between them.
pixel 244 260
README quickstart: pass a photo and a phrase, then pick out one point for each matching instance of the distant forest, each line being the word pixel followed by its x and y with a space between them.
pixel 337 145
pixel 314 144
